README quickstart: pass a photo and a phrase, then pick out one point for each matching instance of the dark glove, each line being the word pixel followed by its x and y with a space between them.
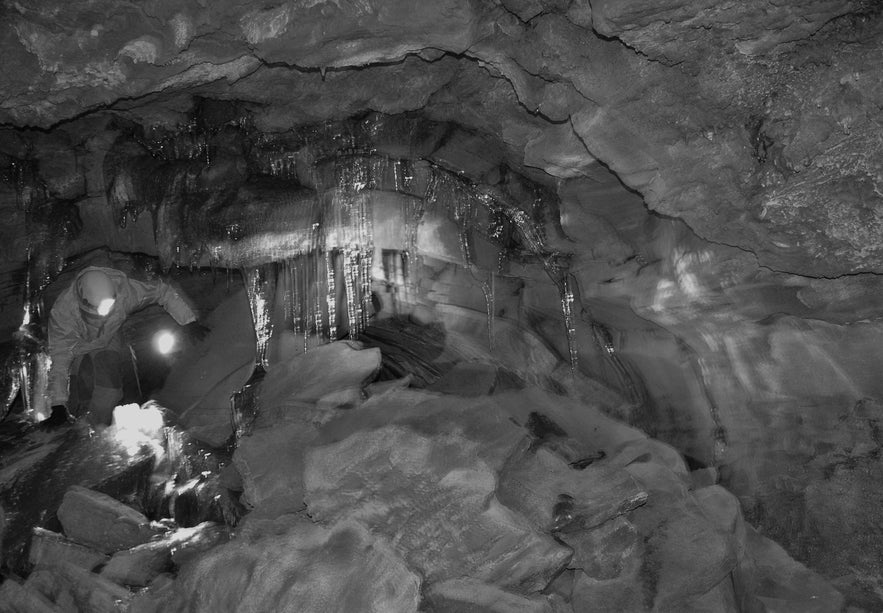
pixel 196 332
pixel 58 418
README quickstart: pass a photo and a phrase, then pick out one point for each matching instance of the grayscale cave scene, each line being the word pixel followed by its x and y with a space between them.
pixel 469 306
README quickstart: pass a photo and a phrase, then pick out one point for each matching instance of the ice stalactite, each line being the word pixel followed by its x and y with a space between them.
pixel 49 226
pixel 569 322
pixel 260 286
pixel 33 359
pixel 22 370
pixel 557 267
pixel 350 263
pixel 330 297
pixel 306 197
pixel 413 213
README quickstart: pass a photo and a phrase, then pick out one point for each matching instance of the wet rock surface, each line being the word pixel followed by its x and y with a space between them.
pixel 541 500
pixel 102 522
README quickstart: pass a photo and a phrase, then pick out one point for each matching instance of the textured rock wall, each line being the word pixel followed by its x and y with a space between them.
pixel 731 293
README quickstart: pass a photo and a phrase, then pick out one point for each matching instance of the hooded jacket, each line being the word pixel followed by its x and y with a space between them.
pixel 71 336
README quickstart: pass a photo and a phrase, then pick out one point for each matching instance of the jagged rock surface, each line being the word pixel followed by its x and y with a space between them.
pixel 99 521
pixel 742 325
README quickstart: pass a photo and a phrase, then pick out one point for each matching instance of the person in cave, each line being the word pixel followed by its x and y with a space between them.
pixel 86 345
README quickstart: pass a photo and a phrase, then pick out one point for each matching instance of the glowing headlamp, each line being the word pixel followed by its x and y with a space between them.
pixel 105 306
pixel 164 342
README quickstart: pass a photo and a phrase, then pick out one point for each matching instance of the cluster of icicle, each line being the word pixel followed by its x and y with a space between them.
pixel 25 369
pixel 330 254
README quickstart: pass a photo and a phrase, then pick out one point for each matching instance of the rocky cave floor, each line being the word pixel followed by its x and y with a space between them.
pixel 479 492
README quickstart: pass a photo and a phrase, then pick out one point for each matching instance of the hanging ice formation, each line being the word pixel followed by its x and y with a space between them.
pixel 304 203
pixel 49 226
pixel 260 286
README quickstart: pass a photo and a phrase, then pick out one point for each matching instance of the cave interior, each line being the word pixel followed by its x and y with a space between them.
pixel 544 306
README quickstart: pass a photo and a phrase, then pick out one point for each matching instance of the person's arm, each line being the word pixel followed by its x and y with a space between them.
pixel 161 293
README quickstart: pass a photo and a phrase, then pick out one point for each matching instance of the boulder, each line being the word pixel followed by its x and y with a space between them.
pixel 270 461
pixel 613 549
pixel 483 420
pixel 294 565
pixel 687 554
pixel 307 377
pixel 46 582
pixel 18 598
pixel 139 566
pixel 49 547
pixel 544 488
pixel 721 508
pixel 471 596
pixel 433 497
pixel 67 585
pixel 136 567
pixel 99 521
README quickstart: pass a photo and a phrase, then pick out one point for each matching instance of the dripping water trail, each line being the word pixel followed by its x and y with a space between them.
pixel 569 322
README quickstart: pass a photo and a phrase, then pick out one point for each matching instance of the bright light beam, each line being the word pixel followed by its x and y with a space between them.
pixel 105 306
pixel 164 342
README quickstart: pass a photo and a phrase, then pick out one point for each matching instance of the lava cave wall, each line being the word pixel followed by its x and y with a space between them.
pixel 714 169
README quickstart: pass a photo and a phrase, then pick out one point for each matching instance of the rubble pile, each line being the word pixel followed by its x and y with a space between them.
pixel 411 499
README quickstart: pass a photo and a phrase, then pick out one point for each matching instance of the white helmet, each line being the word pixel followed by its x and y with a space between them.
pixel 96 292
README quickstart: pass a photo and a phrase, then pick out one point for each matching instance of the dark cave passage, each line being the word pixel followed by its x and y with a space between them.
pixel 503 306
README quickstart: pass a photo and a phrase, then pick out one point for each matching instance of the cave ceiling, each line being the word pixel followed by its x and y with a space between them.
pixel 758 124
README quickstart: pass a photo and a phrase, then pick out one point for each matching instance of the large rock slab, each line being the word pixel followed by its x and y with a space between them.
pixel 199 387
pixel 687 554
pixel 138 566
pixel 101 522
pixel 49 547
pixel 554 496
pixel 432 497
pixel 294 565
pixel 308 377
pixel 483 420
pixel 78 589
pixel 18 598
pixel 271 463
pixel 612 549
